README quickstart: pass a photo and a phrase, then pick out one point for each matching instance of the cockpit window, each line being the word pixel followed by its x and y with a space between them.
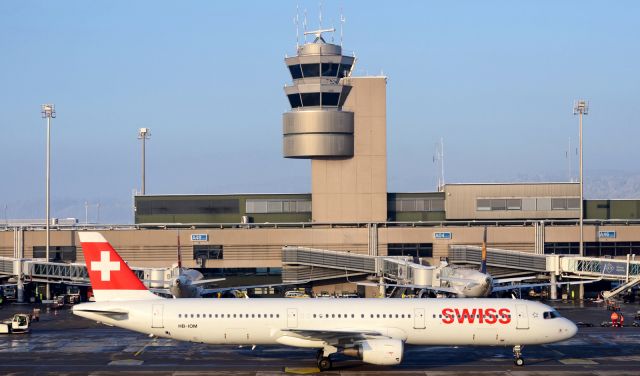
pixel 551 315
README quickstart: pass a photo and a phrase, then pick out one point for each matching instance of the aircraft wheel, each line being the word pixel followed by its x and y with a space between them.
pixel 324 364
pixel 519 362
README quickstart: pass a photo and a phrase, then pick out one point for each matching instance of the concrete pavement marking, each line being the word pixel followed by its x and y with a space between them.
pixel 577 361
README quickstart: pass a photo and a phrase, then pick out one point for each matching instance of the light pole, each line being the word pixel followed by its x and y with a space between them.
pixel 48 112
pixel 581 107
pixel 143 134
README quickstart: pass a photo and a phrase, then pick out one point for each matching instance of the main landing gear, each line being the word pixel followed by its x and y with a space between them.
pixel 323 358
pixel 517 356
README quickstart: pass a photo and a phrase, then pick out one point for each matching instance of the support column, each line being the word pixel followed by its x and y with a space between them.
pixel 554 287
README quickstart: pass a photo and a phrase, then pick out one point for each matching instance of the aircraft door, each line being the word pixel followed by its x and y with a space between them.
pixel 292 318
pixel 418 318
pixel 156 316
pixel 522 317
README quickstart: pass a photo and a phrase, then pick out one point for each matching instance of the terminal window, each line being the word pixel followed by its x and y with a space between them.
pixel 207 252
pixel 410 249
pixel 161 206
pixel 593 249
pixel 417 204
pixel 56 254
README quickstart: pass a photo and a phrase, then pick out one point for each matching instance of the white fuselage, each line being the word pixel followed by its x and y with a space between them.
pixel 483 322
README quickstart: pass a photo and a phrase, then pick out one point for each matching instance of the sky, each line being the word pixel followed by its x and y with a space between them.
pixel 496 80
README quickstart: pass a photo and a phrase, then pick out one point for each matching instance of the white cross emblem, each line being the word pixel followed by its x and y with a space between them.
pixel 105 266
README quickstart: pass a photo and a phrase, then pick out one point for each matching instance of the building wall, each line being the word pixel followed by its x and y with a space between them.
pixel 355 189
pixel 261 247
pixel 461 200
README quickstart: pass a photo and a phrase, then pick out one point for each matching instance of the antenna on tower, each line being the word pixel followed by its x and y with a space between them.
pixel 296 21
pixel 438 158
pixel 342 21
pixel 304 25
pixel 320 14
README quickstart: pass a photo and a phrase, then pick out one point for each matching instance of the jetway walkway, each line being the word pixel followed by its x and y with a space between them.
pixel 302 264
pixel 34 270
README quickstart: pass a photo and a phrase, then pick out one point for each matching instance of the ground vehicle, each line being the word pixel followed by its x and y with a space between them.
pixel 295 294
pixel 19 323
pixel 10 292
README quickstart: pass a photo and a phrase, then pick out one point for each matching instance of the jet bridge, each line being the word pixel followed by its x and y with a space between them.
pixel 303 264
pixel 38 270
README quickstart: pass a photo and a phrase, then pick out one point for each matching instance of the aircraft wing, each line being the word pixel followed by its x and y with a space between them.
pixel 432 288
pixel 529 285
pixel 513 279
pixel 224 289
pixel 336 336
pixel 205 281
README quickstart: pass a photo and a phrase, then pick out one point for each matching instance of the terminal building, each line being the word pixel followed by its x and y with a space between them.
pixel 338 122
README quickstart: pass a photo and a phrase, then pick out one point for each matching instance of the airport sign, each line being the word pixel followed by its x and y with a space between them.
pixel 199 237
pixel 606 234
pixel 442 235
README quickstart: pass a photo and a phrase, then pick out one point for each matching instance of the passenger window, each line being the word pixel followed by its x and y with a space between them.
pixel 198 316
pixel 271 315
pixel 278 315
pixel 338 315
pixel 333 315
pixel 362 315
pixel 253 315
pixel 179 315
pixel 352 315
pixel 378 315
pixel 210 315
pixel 216 315
pixel 314 315
pixel 384 316
pixel 192 315
pixel 259 316
pixel 409 316
pixel 372 315
pixel 402 316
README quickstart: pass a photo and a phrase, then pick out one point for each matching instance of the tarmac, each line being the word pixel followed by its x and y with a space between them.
pixel 64 344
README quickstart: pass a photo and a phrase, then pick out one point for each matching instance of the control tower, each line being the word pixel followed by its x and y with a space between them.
pixel 339 122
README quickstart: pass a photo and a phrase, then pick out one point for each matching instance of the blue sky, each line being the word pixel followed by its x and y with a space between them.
pixel 495 79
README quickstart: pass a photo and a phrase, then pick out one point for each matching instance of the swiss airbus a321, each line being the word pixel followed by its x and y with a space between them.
pixel 373 330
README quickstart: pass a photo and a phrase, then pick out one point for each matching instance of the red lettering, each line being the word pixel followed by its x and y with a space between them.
pixel 492 316
pixel 447 314
pixel 469 316
pixel 505 316
pixel 488 315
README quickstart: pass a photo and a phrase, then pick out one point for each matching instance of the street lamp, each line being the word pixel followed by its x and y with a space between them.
pixel 48 112
pixel 143 134
pixel 581 107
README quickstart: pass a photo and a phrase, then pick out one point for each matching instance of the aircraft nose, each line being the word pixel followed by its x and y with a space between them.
pixel 570 328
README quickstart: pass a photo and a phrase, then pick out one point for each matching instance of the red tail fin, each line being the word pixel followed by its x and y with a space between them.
pixel 111 278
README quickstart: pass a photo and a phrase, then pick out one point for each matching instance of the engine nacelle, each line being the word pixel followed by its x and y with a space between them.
pixel 382 352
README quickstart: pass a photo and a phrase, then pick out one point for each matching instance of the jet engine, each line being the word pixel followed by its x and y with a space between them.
pixel 377 351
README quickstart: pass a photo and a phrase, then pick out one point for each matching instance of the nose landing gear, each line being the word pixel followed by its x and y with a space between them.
pixel 517 356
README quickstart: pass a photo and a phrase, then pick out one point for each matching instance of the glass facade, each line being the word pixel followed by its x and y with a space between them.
pixel 593 249
pixel 56 254
pixel 186 206
pixel 410 249
pixel 207 252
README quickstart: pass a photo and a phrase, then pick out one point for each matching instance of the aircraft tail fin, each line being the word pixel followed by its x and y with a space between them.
pixel 111 278
pixel 483 263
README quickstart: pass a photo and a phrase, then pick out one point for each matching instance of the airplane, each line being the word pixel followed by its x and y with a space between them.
pixel 372 330
pixel 471 283
pixel 186 283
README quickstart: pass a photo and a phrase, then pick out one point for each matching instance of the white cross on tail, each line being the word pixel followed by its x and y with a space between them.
pixel 105 266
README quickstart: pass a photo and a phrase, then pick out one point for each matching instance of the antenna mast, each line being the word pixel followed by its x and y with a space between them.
pixel 438 158
pixel 342 21
pixel 296 21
